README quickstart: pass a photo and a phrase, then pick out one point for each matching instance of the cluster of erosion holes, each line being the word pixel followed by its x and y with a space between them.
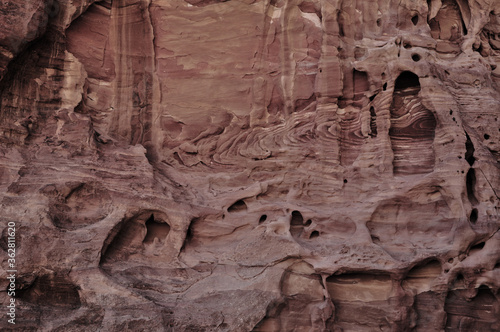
pixel 298 226
pixel 131 236
pixel 412 128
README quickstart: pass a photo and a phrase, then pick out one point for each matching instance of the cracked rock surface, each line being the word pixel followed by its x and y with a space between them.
pixel 251 165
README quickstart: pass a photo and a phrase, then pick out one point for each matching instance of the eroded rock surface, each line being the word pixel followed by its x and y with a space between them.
pixel 251 165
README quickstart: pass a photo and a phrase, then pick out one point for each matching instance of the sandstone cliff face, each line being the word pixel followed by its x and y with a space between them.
pixel 252 165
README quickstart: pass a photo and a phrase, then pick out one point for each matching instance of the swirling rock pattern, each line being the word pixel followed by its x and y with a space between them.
pixel 412 128
pixel 251 165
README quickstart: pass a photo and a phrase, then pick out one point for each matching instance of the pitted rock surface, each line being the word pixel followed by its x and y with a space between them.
pixel 251 165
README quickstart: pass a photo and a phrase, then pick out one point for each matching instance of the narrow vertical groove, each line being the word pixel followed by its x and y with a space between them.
pixel 120 121
pixel 288 63
pixel 153 135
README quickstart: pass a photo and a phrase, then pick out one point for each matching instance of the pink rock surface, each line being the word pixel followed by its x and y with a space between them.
pixel 251 165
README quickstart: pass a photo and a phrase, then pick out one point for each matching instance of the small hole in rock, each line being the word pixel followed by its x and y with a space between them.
pixel 407 80
pixel 314 234
pixel 497 265
pixel 345 180
pixel 262 218
pixel 379 22
pixel 340 20
pixel 473 216
pixel 407 45
pixel 414 19
pixel 415 57
pixel 308 222
pixel 486 136
pixel 470 183
pixel 237 206
pixel 342 102
pixel 384 87
pixel 451 112
pixel 478 246
pixel 446 270
pixel 373 122
pixel 297 218
pixel 450 260
pixel 469 150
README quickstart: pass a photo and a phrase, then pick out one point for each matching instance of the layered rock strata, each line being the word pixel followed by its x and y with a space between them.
pixel 251 165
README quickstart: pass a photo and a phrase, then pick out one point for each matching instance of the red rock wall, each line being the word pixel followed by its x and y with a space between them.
pixel 251 165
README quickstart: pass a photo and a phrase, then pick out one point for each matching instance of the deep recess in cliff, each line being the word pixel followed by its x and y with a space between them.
pixel 251 165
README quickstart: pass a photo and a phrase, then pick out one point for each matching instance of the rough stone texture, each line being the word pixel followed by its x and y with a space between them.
pixel 207 165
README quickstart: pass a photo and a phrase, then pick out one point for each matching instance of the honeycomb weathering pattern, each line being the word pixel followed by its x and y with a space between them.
pixel 251 165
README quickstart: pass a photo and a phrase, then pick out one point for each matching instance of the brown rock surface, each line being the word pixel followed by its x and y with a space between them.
pixel 251 165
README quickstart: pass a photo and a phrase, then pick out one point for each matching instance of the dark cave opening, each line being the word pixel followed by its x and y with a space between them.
pixel 155 230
